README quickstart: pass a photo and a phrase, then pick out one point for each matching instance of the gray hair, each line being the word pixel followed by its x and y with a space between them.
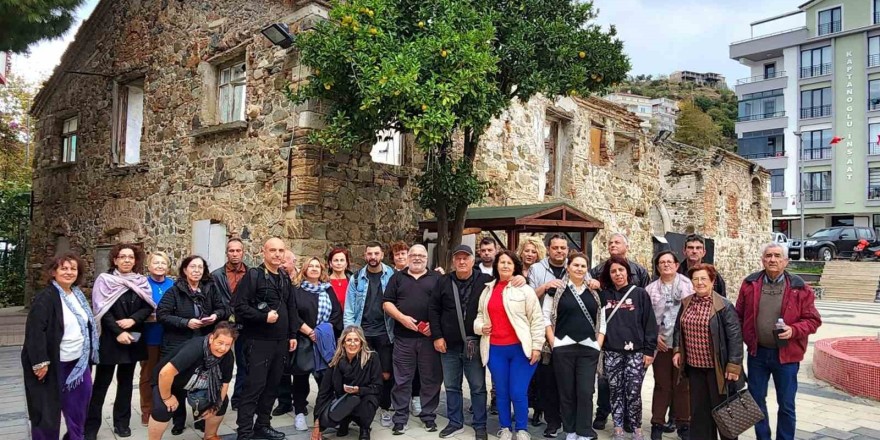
pixel 418 246
pixel 623 237
pixel 781 246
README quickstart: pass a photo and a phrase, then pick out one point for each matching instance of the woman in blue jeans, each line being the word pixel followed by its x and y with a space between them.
pixel 512 321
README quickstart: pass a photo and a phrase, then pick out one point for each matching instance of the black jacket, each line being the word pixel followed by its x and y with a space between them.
pixel 720 287
pixel 727 340
pixel 634 327
pixel 128 306
pixel 443 315
pixel 221 282
pixel 258 286
pixel 176 309
pixel 42 342
pixel 307 309
pixel 638 275
pixel 367 378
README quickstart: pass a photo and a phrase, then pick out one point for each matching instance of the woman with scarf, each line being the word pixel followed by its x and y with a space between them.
pixel 354 371
pixel 188 310
pixel 122 300
pixel 60 340
pixel 321 315
pixel 666 294
pixel 198 372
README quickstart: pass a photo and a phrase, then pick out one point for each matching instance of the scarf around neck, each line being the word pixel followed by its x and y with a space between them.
pixel 324 304
pixel 210 371
pixel 110 286
pixel 90 339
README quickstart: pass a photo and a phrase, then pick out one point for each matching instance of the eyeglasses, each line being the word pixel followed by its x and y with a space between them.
pixel 353 341
pixel 417 257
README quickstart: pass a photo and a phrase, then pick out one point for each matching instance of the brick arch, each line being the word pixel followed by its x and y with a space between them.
pixel 228 217
pixel 123 215
pixel 661 223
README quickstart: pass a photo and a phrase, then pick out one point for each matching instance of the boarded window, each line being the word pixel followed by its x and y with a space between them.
pixel 388 148
pixel 598 149
pixel 551 157
pixel 129 123
pixel 209 241
pixel 232 93
pixel 69 139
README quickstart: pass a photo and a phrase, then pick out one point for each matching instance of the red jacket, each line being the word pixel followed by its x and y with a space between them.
pixel 798 311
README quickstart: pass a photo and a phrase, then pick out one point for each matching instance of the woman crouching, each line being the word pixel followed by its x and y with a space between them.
pixel 201 369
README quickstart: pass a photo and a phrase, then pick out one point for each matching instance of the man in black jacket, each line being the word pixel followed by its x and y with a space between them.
pixel 638 276
pixel 226 279
pixel 451 315
pixel 265 305
pixel 694 252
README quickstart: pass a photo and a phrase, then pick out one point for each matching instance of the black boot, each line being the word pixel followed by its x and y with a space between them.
pixel 656 432
pixel 364 434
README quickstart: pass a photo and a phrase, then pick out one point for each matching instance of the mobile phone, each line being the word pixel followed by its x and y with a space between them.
pixel 206 319
pixel 422 325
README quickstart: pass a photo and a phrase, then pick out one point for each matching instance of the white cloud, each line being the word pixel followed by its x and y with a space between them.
pixel 662 36
pixel 37 65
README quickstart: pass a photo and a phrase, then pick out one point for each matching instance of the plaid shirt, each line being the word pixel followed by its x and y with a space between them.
pixel 695 324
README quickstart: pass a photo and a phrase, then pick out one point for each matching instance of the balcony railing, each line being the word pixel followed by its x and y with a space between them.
pixel 820 153
pixel 759 116
pixel 764 155
pixel 817 195
pixel 873 148
pixel 873 192
pixel 829 28
pixel 877 17
pixel 752 79
pixel 874 60
pixel 873 104
pixel 817 70
pixel 820 111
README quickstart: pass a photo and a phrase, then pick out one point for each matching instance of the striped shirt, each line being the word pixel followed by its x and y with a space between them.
pixel 695 324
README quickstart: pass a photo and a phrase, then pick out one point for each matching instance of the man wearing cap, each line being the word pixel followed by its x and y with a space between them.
pixel 451 315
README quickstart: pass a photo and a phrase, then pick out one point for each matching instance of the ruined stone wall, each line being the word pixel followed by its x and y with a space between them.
pixel 236 175
pixel 727 201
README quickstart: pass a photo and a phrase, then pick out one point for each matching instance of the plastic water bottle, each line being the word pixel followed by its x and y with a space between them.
pixel 780 328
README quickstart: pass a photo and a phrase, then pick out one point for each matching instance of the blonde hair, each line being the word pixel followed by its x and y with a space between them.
pixel 534 241
pixel 161 255
pixel 305 265
pixel 365 352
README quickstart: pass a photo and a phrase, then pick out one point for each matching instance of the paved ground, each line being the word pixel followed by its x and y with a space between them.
pixel 823 412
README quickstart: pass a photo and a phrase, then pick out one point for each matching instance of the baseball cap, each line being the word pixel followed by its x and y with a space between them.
pixel 463 248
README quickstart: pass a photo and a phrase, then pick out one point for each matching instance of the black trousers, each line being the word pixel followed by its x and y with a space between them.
pixel 265 366
pixel 603 402
pixel 548 397
pixel 575 367
pixel 363 414
pixel 122 404
pixel 383 347
pixel 704 396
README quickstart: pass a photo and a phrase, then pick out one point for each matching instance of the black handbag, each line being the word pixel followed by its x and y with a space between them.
pixel 738 413
pixel 302 360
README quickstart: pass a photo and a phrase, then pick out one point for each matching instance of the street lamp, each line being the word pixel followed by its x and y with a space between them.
pixel 800 177
pixel 278 34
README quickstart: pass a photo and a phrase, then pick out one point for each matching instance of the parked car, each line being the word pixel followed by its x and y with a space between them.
pixel 779 237
pixel 827 243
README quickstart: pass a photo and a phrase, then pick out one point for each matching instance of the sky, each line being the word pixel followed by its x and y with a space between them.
pixel 660 36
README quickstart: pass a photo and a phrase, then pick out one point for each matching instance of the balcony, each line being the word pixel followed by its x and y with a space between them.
pixel 874 60
pixel 829 28
pixel 877 17
pixel 817 195
pixel 821 153
pixel 778 200
pixel 764 155
pixel 873 192
pixel 814 71
pixel 873 104
pixel 757 48
pixel 820 111
pixel 761 83
pixel 759 116
pixel 752 79
pixel 873 148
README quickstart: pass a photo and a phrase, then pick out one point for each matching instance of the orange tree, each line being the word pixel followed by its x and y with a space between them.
pixel 442 70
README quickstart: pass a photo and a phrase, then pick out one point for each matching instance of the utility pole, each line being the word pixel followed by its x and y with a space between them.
pixel 800 167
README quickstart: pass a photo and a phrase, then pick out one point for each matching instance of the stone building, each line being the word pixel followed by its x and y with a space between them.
pixel 166 124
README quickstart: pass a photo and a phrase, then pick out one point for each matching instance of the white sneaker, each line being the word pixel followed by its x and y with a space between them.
pixel 571 436
pixel 523 435
pixel 505 434
pixel 300 422
pixel 416 406
pixel 385 419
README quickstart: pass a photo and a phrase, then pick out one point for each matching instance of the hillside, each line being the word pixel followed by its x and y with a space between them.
pixel 719 104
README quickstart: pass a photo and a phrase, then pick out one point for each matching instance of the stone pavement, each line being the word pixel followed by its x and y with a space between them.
pixel 823 412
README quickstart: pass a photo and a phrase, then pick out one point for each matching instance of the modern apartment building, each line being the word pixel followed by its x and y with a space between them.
pixel 812 85
pixel 658 113
pixel 701 79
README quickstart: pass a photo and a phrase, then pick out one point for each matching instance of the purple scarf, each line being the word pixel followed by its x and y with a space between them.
pixel 109 287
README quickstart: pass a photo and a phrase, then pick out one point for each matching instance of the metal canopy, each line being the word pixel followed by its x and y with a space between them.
pixel 515 220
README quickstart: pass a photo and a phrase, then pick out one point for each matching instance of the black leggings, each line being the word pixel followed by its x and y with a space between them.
pixel 160 410
pixel 122 403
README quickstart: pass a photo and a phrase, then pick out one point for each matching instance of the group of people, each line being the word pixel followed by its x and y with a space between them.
pixel 551 330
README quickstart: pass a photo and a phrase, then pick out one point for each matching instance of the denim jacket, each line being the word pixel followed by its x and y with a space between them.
pixel 356 298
